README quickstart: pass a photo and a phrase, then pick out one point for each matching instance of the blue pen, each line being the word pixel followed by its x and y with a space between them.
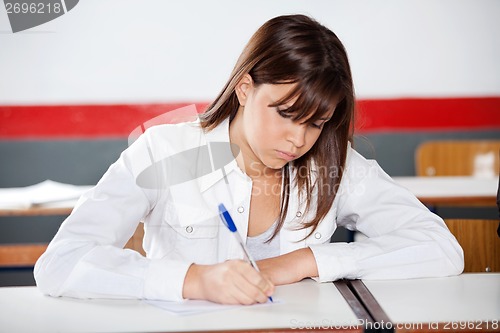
pixel 229 223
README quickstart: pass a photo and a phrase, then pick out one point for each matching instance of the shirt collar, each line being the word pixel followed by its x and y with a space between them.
pixel 218 144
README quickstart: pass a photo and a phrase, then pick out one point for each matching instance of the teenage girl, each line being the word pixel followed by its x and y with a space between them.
pixel 287 110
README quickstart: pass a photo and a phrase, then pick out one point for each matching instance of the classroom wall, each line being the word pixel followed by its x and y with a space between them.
pixel 124 51
pixel 72 89
pixel 421 69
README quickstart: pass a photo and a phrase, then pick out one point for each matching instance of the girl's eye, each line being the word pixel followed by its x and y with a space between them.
pixel 320 126
pixel 283 113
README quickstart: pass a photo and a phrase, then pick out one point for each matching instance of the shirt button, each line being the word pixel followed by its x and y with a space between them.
pixel 189 229
pixel 299 214
pixel 241 209
pixel 317 235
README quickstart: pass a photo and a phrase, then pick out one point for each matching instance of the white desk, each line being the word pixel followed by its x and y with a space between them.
pixel 25 309
pixel 452 190
pixel 468 299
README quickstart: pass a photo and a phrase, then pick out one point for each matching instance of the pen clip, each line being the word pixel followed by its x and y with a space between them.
pixel 226 218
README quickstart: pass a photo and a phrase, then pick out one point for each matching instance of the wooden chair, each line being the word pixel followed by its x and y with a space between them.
pixel 26 255
pixel 20 255
pixel 480 243
pixel 458 158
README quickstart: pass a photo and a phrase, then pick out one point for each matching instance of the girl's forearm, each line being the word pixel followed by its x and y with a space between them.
pixel 291 267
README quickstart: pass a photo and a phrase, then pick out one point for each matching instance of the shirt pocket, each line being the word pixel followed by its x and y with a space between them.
pixel 201 229
pixel 325 229
pixel 197 242
pixel 196 231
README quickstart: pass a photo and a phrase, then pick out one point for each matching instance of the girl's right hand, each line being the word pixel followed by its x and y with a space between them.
pixel 230 282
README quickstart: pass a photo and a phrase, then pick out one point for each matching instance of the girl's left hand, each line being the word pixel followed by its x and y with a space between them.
pixel 289 268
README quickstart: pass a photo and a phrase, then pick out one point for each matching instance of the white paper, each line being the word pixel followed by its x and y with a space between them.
pixel 191 307
pixel 47 194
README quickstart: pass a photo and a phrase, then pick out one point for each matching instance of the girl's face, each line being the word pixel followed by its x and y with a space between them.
pixel 269 138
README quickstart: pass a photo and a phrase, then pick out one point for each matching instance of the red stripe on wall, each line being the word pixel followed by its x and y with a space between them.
pixel 79 121
pixel 429 114
pixel 380 115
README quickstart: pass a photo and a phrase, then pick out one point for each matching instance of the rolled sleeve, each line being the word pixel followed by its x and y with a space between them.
pixel 334 261
pixel 403 238
pixel 165 279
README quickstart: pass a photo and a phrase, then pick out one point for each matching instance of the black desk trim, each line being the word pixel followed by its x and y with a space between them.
pixel 365 306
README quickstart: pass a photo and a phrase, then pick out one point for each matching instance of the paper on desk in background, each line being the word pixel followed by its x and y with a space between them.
pixel 46 194
pixel 192 307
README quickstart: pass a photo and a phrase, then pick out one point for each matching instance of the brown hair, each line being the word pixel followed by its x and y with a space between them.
pixel 297 49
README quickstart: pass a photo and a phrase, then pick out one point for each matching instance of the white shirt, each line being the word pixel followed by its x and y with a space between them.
pixel 86 257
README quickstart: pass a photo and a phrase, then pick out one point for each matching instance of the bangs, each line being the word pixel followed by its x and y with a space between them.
pixel 316 97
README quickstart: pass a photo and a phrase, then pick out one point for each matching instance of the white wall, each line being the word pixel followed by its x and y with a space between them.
pixel 126 51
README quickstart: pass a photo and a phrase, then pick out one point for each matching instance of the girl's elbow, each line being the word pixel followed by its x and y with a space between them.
pixel 455 258
pixel 45 282
pixel 460 263
pixel 50 274
pixel 54 268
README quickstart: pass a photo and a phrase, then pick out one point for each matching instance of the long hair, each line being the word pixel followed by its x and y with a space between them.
pixel 297 49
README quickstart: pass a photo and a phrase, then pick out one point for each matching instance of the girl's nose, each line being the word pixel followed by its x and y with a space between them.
pixel 297 134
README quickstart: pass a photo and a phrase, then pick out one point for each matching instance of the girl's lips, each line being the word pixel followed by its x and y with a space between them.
pixel 285 156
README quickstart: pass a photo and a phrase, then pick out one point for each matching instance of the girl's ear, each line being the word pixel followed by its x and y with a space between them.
pixel 243 89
